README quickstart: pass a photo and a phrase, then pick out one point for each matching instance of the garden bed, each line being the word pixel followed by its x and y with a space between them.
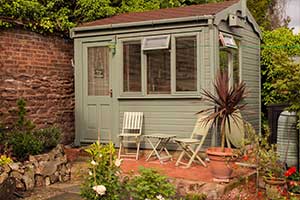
pixel 39 170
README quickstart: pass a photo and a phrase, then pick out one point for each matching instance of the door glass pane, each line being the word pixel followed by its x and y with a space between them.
pixel 158 72
pixel 186 63
pixel 98 71
pixel 132 67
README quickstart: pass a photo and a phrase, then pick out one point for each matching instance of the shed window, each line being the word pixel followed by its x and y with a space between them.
pixel 229 59
pixel 156 42
pixel 227 40
pixel 186 63
pixel 158 72
pixel 132 66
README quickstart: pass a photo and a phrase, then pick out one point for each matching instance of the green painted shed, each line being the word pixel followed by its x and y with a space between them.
pixel 157 62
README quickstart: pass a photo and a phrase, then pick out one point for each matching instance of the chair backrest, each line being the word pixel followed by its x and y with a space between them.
pixel 202 126
pixel 132 122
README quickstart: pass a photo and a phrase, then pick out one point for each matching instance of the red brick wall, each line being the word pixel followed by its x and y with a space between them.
pixel 37 68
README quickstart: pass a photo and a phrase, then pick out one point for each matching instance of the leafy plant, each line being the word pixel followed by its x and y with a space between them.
pixel 59 16
pixel 293 178
pixel 225 103
pixel 49 137
pixel 149 184
pixel 258 151
pixel 103 181
pixel 280 74
pixel 23 139
pixel 25 144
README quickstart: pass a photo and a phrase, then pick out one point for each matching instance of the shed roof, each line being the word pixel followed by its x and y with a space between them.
pixel 167 13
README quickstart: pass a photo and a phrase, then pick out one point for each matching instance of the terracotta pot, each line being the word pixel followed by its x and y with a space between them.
pixel 274 187
pixel 220 162
pixel 72 153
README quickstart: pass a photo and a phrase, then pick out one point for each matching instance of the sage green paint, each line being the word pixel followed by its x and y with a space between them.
pixel 169 114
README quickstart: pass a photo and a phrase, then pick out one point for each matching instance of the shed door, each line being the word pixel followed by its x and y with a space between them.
pixel 97 92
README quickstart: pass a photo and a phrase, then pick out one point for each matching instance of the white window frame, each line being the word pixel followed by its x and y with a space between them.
pixel 164 45
pixel 227 40
pixel 169 44
pixel 122 92
pixel 230 59
pixel 173 64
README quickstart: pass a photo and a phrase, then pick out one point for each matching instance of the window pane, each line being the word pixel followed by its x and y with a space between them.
pixel 156 42
pixel 158 72
pixel 186 63
pixel 236 66
pixel 132 66
pixel 224 60
pixel 98 71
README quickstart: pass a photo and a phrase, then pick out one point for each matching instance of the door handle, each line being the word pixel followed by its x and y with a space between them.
pixel 110 93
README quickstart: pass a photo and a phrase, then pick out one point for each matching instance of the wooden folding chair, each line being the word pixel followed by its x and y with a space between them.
pixel 131 133
pixel 191 146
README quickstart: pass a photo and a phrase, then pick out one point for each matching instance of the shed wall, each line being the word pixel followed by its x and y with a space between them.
pixel 250 70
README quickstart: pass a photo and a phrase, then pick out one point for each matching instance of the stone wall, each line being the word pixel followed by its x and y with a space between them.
pixel 40 170
pixel 37 68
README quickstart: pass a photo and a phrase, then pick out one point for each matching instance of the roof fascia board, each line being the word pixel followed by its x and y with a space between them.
pixel 223 15
pixel 253 22
pixel 142 23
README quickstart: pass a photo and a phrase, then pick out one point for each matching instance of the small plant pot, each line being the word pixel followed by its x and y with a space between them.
pixel 274 187
pixel 293 186
pixel 294 195
pixel 221 162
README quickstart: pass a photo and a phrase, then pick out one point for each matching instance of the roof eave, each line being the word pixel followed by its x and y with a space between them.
pixel 141 23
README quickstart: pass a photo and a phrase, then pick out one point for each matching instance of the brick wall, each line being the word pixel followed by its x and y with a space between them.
pixel 37 68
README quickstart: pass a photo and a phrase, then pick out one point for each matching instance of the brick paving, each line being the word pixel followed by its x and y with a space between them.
pixel 195 175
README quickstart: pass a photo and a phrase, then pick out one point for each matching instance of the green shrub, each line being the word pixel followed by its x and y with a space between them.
pixel 24 144
pixel 104 170
pixel 150 185
pixel 50 137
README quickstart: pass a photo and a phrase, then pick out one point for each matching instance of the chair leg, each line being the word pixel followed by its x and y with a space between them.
pixel 195 155
pixel 181 155
pixel 138 142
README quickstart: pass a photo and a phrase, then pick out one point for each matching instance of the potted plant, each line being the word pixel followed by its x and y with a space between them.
pixel 262 155
pixel 293 182
pixel 226 104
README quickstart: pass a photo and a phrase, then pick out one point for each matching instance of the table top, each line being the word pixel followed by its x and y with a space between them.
pixel 159 136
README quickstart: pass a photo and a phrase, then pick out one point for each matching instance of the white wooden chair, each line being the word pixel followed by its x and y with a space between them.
pixel 191 146
pixel 131 133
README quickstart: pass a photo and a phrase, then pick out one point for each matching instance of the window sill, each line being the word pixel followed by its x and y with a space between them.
pixel 157 97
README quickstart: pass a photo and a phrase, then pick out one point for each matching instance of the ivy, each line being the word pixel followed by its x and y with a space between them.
pixel 49 16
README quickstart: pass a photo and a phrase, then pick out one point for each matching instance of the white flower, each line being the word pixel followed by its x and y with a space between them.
pixel 100 189
pixel 90 173
pixel 100 155
pixel 159 197
pixel 118 162
pixel 94 162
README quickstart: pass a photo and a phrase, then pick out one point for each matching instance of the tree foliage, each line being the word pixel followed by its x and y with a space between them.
pixel 60 15
pixel 280 74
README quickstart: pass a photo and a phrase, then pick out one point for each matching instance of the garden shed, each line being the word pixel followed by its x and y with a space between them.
pixel 157 62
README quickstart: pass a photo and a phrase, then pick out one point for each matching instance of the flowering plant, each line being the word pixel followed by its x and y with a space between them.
pixel 103 181
pixel 293 178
